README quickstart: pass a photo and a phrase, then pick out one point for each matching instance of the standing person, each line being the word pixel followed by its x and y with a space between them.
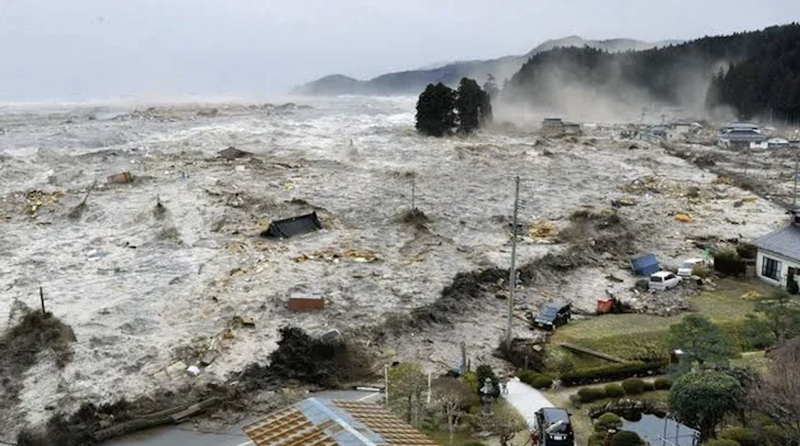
pixel 504 384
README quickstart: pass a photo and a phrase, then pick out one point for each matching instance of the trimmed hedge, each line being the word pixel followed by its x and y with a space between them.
pixel 626 438
pixel 721 443
pixel 633 386
pixel 662 384
pixel 614 390
pixel 608 421
pixel 589 394
pixel 534 379
pixel 648 386
pixel 612 373
pixel 741 435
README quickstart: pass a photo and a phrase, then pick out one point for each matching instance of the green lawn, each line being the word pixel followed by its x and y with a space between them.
pixel 640 336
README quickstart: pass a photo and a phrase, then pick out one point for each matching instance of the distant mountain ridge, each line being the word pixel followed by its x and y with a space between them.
pixel 414 81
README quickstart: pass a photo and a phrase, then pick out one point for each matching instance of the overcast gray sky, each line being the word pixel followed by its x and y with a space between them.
pixel 95 49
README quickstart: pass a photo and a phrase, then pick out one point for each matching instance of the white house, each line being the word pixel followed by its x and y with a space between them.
pixel 778 257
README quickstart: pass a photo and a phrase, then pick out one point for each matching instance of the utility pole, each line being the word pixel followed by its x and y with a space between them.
pixel 41 297
pixel 794 191
pixel 413 191
pixel 512 273
pixel 386 384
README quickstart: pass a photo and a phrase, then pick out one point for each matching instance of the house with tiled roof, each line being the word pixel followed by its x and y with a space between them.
pixel 778 259
pixel 323 422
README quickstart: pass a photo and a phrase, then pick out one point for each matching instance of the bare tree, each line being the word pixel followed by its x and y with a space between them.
pixel 503 422
pixel 406 385
pixel 777 395
pixel 451 396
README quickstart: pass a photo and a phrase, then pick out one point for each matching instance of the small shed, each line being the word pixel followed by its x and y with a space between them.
pixel 306 303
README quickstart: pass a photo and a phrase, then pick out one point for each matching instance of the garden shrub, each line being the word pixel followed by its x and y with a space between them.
pixel 589 394
pixel 626 438
pixel 608 421
pixel 612 373
pixel 534 379
pixel 648 386
pixel 721 442
pixel 542 382
pixel 614 390
pixel 633 386
pixel 741 435
pixel 596 439
pixel 662 383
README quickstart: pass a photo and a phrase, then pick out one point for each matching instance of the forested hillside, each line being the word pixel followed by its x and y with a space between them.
pixel 753 72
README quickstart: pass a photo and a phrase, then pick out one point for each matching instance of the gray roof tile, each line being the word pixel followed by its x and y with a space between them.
pixel 785 241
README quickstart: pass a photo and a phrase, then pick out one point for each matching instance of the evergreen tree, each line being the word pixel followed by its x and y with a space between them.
pixel 435 110
pixel 468 104
pixel 490 87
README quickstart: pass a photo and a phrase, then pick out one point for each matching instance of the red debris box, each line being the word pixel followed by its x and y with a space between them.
pixel 605 305
pixel 306 303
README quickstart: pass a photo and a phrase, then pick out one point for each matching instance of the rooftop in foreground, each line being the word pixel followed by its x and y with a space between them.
pixel 322 422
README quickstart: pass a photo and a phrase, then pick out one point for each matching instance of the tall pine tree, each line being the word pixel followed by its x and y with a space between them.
pixel 435 110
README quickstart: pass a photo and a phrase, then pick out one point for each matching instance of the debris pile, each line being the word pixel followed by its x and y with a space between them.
pixel 333 256
pixel 20 347
pixel 543 231
pixel 37 201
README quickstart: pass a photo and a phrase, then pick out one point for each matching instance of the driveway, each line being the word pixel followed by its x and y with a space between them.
pixel 185 434
pixel 525 399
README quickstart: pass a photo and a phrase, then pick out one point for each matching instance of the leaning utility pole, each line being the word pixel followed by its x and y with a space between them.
pixel 794 191
pixel 512 273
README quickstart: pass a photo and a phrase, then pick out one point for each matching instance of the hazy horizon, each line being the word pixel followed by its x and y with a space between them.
pixel 93 50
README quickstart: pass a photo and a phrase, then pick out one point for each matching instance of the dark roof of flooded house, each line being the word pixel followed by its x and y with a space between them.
pixel 232 153
pixel 322 422
pixel 784 241
pixel 290 227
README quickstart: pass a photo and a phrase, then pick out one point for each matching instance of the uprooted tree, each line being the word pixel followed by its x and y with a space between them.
pixel 311 360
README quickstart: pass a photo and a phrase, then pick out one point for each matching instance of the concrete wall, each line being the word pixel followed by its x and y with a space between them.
pixel 786 263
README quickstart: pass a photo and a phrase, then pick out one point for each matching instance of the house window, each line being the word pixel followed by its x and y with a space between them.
pixel 771 268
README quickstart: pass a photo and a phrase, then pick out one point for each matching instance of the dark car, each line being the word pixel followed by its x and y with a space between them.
pixel 552 315
pixel 553 427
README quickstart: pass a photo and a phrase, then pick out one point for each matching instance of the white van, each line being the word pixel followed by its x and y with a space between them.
pixel 664 280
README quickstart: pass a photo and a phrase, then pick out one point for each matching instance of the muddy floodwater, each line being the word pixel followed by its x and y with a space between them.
pixel 158 274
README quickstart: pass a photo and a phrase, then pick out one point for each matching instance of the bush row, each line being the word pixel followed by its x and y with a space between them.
pixel 612 373
pixel 631 386
pixel 534 379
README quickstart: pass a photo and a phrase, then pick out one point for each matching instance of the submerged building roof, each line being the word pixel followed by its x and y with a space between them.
pixel 322 422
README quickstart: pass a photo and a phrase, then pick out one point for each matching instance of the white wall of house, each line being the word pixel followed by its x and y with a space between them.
pixel 786 263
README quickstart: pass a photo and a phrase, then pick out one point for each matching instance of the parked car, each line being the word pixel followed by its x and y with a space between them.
pixel 552 427
pixel 664 280
pixel 688 266
pixel 552 315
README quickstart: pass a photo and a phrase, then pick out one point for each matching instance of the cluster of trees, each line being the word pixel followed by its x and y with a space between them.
pixel 451 402
pixel 442 111
pixel 759 73
pixel 709 390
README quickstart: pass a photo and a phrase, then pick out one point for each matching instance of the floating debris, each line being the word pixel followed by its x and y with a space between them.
pixel 330 255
